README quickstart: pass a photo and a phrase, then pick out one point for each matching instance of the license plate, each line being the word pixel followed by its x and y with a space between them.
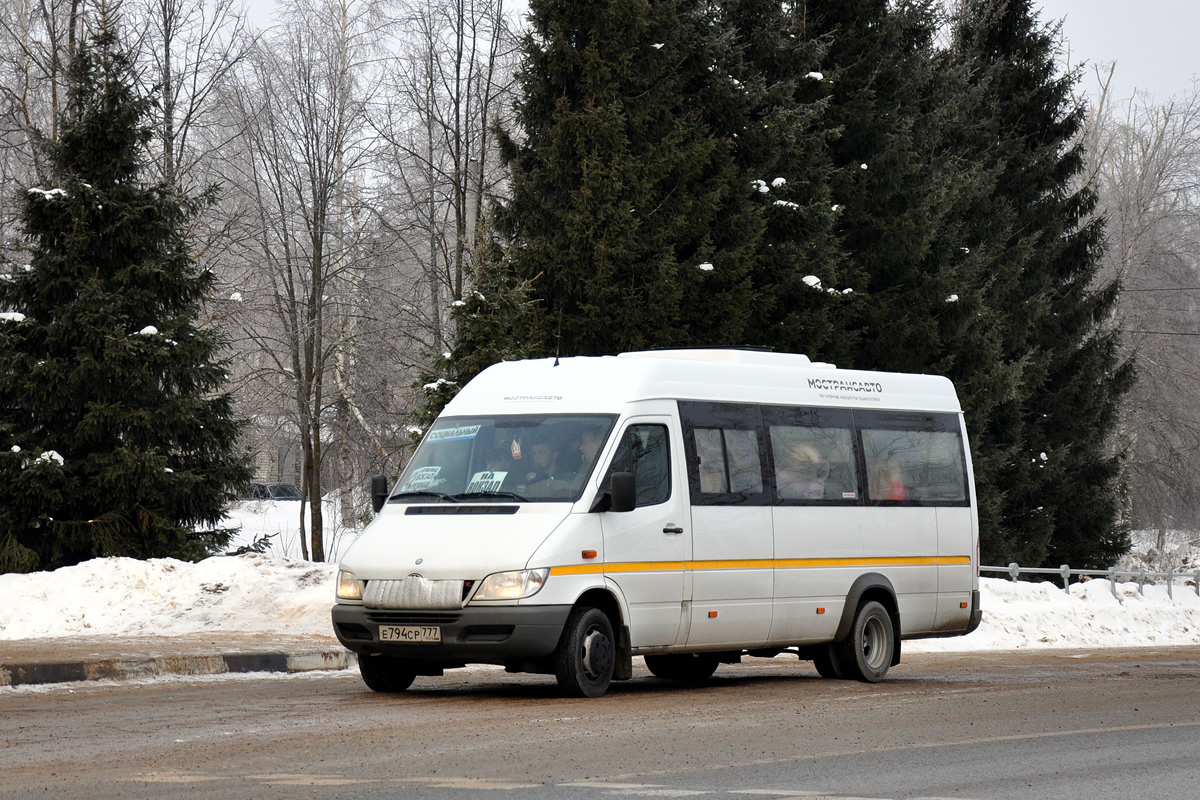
pixel 410 633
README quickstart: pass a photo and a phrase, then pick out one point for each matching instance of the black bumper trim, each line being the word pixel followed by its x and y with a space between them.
pixel 480 635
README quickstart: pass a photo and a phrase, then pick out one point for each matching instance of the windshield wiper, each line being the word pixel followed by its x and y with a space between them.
pixel 438 495
pixel 504 495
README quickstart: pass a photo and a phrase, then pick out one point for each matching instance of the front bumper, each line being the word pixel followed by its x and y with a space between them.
pixel 470 635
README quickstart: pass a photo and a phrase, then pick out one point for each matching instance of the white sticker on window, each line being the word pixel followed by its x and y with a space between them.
pixel 490 481
pixel 421 479
pixel 454 434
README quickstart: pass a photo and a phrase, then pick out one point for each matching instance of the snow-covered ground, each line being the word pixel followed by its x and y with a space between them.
pixel 279 520
pixel 279 592
pixel 121 596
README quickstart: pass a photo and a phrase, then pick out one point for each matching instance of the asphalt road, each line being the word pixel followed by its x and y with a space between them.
pixel 1071 724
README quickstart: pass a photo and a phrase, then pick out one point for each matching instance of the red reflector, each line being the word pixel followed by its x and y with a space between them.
pixel 588 554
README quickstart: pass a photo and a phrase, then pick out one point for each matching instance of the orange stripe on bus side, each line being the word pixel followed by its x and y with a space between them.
pixel 759 563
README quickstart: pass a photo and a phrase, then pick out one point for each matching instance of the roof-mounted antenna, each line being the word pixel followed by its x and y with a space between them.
pixel 558 338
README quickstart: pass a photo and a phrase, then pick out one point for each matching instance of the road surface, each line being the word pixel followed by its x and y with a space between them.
pixel 1050 723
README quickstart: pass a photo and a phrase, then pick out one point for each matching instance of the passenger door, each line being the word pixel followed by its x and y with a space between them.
pixel 645 549
pixel 818 542
pixel 732 548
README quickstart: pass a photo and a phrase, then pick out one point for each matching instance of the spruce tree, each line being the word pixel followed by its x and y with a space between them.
pixel 1059 487
pixel 116 437
pixel 893 187
pixel 628 218
pixel 782 150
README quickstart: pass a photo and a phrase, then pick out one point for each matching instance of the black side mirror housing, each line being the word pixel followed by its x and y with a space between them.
pixel 379 491
pixel 623 490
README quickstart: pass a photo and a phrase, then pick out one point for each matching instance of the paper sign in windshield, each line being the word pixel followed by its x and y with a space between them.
pixel 486 482
pixel 453 434
pixel 421 479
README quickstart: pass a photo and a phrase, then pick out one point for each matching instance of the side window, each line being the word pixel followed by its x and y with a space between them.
pixel 812 455
pixel 915 459
pixel 645 451
pixel 724 453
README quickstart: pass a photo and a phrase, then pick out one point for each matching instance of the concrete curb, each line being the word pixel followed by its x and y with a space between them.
pixel 43 672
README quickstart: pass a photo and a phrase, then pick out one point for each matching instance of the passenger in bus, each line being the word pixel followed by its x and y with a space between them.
pixel 587 445
pixel 500 459
pixel 590 439
pixel 886 479
pixel 554 474
pixel 712 461
pixel 801 472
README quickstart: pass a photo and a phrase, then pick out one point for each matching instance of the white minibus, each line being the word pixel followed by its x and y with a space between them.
pixel 686 506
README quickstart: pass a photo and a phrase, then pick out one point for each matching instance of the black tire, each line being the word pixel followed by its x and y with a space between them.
pixel 383 674
pixel 827 663
pixel 866 652
pixel 689 667
pixel 586 655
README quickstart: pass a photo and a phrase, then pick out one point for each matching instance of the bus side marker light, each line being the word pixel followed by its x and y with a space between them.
pixel 712 615
pixel 588 554
pixel 820 609
pixel 962 605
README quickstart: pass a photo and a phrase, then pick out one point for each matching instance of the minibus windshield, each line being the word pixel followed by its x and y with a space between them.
pixel 528 458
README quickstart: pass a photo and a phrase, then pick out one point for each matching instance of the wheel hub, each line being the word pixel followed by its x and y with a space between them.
pixel 597 654
pixel 873 645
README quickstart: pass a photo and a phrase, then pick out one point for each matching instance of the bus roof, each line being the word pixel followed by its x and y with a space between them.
pixel 604 384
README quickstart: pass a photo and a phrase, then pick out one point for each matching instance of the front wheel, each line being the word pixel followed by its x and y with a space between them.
pixel 866 652
pixel 586 655
pixel 383 674
pixel 690 667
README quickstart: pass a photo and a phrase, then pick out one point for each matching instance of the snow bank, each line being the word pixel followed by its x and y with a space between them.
pixel 1022 614
pixel 115 596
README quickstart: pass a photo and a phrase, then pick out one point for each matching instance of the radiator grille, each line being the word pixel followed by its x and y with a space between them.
pixel 414 592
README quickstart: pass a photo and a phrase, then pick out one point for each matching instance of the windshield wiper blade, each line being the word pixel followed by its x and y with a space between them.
pixel 503 495
pixel 438 495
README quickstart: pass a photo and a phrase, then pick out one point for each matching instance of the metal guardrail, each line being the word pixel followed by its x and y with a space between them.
pixel 1014 571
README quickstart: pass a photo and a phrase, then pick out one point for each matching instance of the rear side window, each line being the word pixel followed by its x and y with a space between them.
pixel 913 459
pixel 812 455
pixel 725 453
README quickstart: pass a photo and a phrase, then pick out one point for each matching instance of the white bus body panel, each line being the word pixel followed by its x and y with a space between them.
pixel 731 601
pixel 734 577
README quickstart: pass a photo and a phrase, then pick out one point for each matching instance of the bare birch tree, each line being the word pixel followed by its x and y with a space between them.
pixel 188 49
pixel 1146 160
pixel 449 86
pixel 302 106
pixel 37 38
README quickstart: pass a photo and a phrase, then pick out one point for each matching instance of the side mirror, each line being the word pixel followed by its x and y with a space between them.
pixel 379 492
pixel 623 490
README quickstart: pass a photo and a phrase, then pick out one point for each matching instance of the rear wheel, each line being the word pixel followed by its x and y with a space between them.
pixel 383 674
pixel 866 652
pixel 682 666
pixel 586 655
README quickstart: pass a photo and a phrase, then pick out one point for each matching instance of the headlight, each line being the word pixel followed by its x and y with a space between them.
pixel 512 585
pixel 348 587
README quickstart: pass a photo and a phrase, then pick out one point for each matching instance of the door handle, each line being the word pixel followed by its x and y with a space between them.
pixel 672 528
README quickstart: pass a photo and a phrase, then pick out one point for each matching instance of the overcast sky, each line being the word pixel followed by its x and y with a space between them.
pixel 1153 42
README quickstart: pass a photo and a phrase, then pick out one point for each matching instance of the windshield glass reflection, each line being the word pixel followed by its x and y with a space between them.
pixel 529 458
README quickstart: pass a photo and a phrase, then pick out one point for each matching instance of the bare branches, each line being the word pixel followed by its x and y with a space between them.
pixel 352 146
pixel 1145 160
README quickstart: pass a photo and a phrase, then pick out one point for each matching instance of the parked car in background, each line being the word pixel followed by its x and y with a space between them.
pixel 272 491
